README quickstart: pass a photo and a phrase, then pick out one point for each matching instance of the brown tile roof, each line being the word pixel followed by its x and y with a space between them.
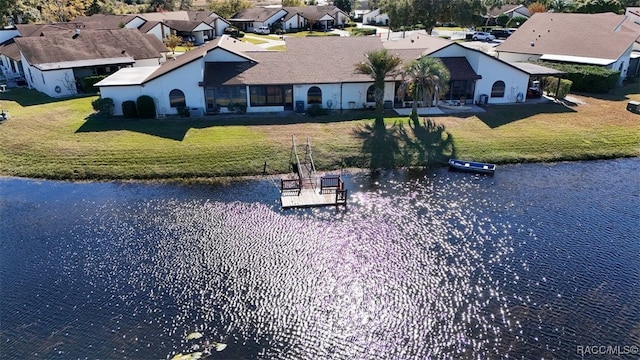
pixel 420 40
pixel 311 12
pixel 65 46
pixel 571 34
pixel 105 21
pixel 184 59
pixel 148 25
pixel 206 16
pixel 504 9
pixel 10 49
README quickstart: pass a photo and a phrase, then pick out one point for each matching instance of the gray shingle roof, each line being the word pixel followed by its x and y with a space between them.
pixel 256 14
pixel 65 46
pixel 583 35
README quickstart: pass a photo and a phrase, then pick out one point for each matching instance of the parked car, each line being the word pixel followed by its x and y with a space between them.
pixel 262 30
pixel 483 36
pixel 501 33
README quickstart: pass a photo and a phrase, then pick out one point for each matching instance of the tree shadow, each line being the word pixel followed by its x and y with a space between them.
pixel 380 143
pixel 499 115
pixel 427 143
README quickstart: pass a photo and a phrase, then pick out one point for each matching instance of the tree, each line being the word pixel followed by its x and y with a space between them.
pixel 185 4
pixel 292 3
pixel 171 42
pixel 227 8
pixel 598 6
pixel 423 79
pixel 399 12
pixel 344 5
pixel 158 5
pixel 560 6
pixel 380 64
pixel 537 7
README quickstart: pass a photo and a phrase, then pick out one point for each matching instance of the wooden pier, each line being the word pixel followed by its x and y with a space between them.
pixel 306 189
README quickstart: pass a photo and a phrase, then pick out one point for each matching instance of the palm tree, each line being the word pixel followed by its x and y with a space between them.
pixel 424 79
pixel 379 65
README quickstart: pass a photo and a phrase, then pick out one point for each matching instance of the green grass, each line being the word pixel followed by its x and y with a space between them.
pixel 60 139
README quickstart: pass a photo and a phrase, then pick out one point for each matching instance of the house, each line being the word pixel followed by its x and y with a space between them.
pixel 604 39
pixel 226 71
pixel 214 20
pixel 473 74
pixel 249 19
pixel 511 11
pixel 316 17
pixel 375 17
pixel 53 62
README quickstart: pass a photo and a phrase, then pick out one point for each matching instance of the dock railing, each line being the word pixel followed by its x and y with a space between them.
pixel 329 184
pixel 290 187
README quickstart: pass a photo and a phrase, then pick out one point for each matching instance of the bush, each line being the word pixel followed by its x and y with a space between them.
pixel 183 111
pixel 104 106
pixel 550 84
pixel 146 107
pixel 587 78
pixel 316 110
pixel 87 83
pixel 516 21
pixel 237 108
pixel 129 109
pixel 363 31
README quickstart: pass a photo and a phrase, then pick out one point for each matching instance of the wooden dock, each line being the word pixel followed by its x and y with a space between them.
pixel 306 189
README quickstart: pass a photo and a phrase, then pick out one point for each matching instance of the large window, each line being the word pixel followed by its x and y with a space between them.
pixel 314 95
pixel 231 94
pixel 267 95
pixel 371 94
pixel 497 90
pixel 177 99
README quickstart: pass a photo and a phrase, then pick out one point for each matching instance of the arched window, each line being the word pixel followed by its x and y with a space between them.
pixel 497 90
pixel 176 98
pixel 314 95
pixel 371 94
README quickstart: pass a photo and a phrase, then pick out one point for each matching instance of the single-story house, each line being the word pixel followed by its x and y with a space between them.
pixel 53 63
pixel 226 71
pixel 375 17
pixel 318 17
pixel 214 20
pixel 251 18
pixel 605 39
pixel 509 10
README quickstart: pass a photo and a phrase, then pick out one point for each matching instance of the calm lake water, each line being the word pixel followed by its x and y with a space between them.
pixel 534 262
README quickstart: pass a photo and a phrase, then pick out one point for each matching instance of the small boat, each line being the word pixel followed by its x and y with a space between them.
pixel 470 166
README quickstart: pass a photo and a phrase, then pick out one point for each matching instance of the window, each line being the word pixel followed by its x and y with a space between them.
pixel 314 95
pixel 176 98
pixel 371 94
pixel 230 94
pixel 497 90
pixel 266 95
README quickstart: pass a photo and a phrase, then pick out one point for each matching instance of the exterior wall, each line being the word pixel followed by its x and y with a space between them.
pixel 185 79
pixel 220 55
pixel 220 25
pixel 160 31
pixel 10 68
pixel 622 65
pixel 120 94
pixel 47 82
pixel 296 22
pixel 135 23
pixel 6 34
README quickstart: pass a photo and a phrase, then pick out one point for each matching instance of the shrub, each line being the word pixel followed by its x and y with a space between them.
pixel 146 107
pixel 237 108
pixel 87 83
pixel 363 31
pixel 183 111
pixel 587 78
pixel 104 106
pixel 516 21
pixel 316 110
pixel 550 85
pixel 129 109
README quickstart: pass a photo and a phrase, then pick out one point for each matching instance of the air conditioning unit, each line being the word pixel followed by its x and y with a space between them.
pixel 634 106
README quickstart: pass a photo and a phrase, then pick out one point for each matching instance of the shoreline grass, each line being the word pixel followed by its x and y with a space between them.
pixel 59 139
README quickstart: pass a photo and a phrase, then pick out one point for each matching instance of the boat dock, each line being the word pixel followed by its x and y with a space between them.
pixel 305 188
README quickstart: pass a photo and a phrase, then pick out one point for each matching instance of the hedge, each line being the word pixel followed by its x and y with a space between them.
pixel 129 109
pixel 587 78
pixel 87 83
pixel 146 107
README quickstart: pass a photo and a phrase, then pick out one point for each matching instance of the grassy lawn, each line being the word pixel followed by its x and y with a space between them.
pixel 59 139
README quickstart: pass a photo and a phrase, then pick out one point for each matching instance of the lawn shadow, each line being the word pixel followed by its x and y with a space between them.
pixel 428 144
pixel 380 143
pixel 176 127
pixel 499 115
pixel 28 97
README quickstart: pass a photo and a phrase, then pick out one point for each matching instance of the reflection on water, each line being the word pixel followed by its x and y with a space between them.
pixel 530 263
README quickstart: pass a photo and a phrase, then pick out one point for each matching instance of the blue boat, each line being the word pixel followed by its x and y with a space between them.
pixel 470 166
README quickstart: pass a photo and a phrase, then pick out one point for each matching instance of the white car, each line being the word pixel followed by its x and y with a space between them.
pixel 483 36
pixel 262 30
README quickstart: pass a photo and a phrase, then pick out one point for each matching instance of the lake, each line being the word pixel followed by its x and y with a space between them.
pixel 538 261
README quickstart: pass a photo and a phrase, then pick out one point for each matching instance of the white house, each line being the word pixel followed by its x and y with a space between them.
pixel 54 63
pixel 605 39
pixel 251 18
pixel 225 71
pixel 375 17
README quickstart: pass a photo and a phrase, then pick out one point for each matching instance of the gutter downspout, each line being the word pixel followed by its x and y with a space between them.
pixel 341 96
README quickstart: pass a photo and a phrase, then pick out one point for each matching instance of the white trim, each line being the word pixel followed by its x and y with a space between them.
pixel 578 59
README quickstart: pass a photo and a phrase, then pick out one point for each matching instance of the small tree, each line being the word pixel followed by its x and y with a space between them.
pixel 172 42
pixel 104 106
pixel 424 79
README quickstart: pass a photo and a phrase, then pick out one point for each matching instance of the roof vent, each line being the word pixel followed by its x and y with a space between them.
pixel 75 36
pixel 533 44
